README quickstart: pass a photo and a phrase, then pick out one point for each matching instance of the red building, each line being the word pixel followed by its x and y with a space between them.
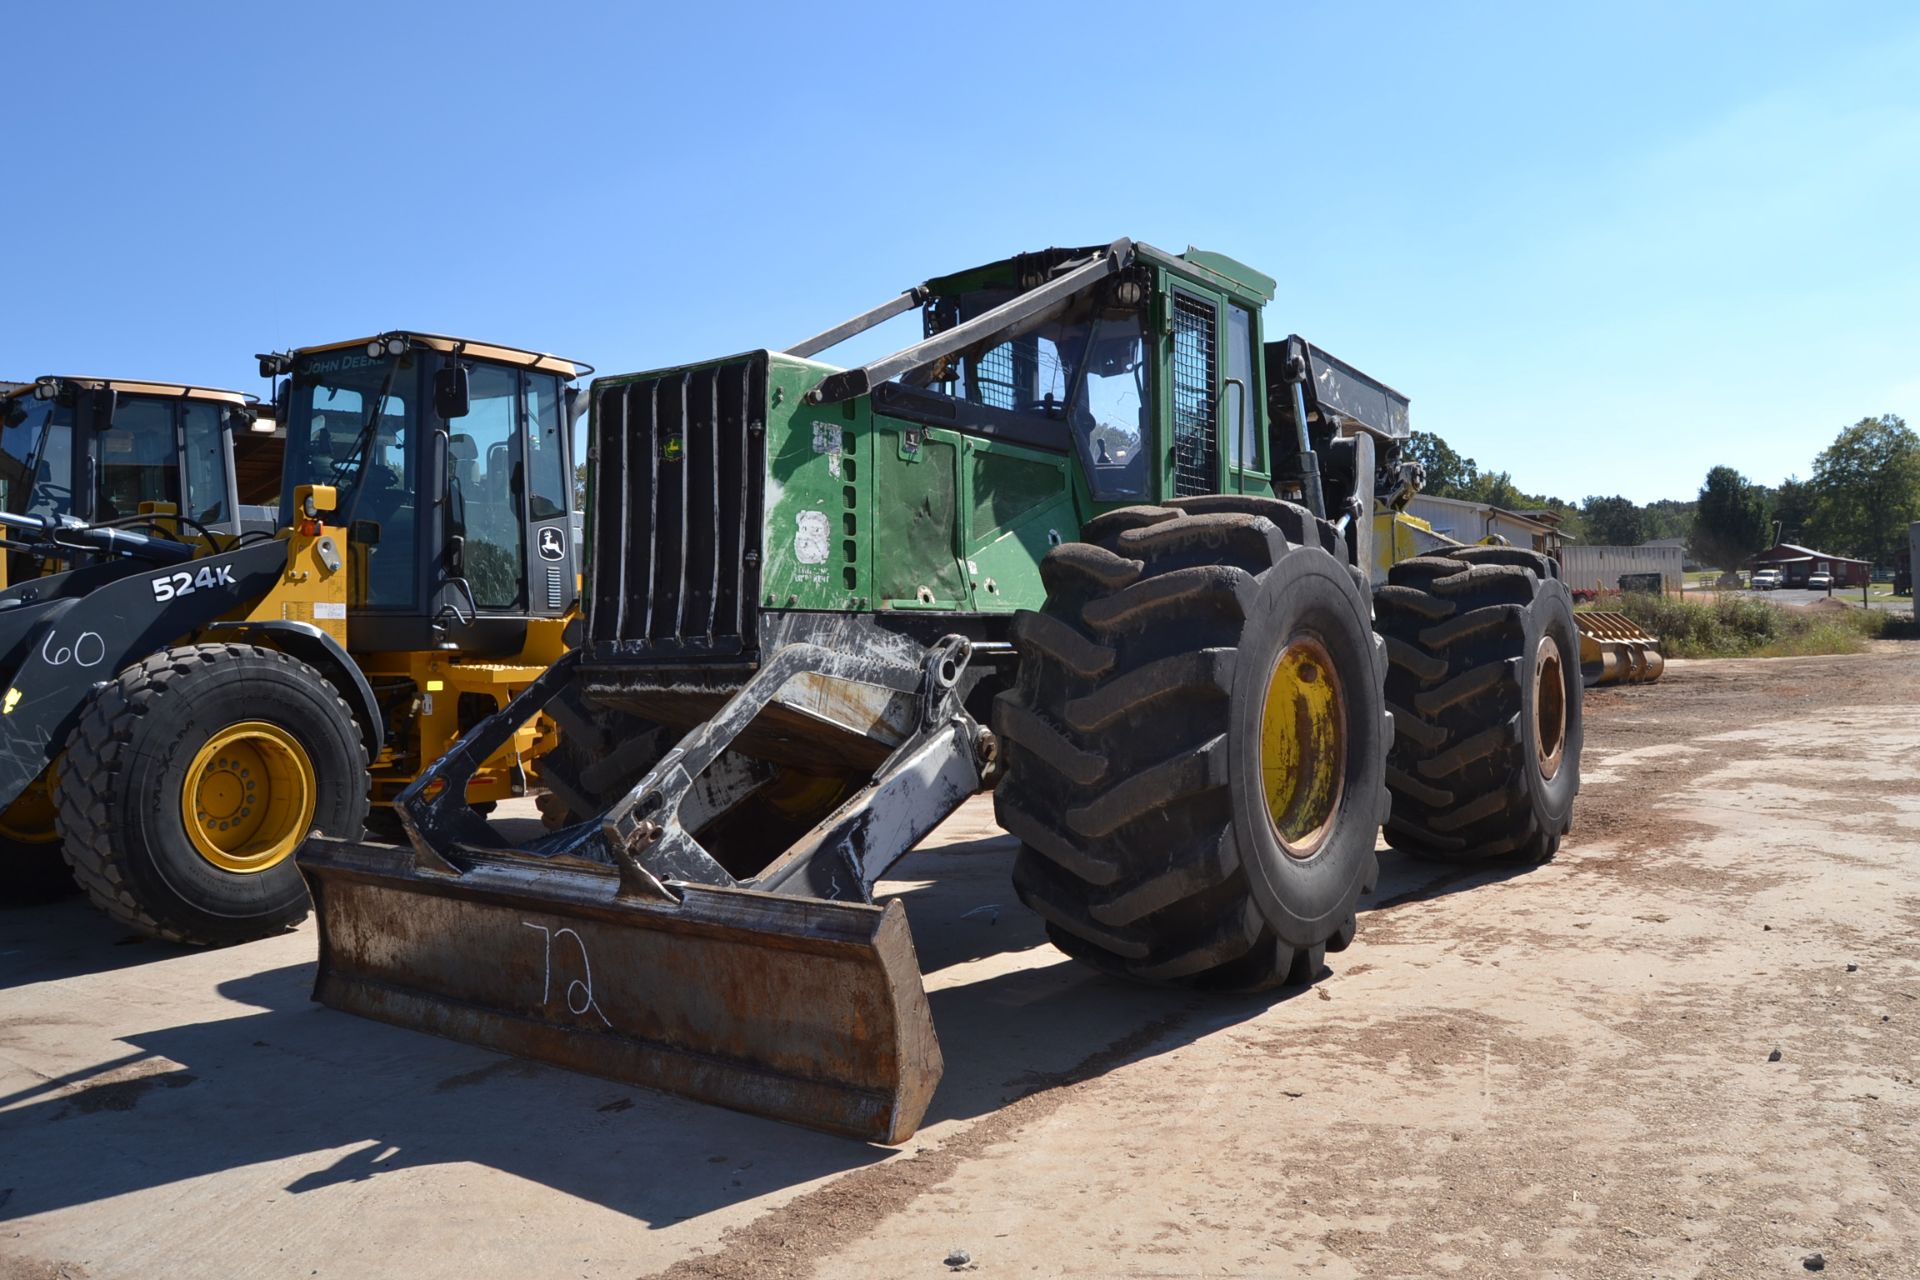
pixel 1797 563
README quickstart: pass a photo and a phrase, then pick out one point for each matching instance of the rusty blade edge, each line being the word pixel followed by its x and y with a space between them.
pixel 868 1114
pixel 876 1089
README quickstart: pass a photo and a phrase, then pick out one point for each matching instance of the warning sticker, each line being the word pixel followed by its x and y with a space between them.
pixel 812 539
pixel 826 439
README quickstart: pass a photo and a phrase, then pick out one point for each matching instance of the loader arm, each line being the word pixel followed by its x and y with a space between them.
pixel 56 650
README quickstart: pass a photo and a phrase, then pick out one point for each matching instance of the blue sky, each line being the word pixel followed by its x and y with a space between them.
pixel 1602 249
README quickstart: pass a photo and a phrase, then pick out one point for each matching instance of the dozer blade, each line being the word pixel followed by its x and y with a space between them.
pixel 1614 650
pixel 794 1008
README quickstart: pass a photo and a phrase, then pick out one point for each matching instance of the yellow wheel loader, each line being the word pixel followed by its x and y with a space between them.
pixel 111 453
pixel 188 698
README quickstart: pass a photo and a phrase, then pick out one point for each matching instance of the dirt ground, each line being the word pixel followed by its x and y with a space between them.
pixel 1566 1070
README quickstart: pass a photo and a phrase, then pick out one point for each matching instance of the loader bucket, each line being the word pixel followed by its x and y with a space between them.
pixel 1614 650
pixel 794 1008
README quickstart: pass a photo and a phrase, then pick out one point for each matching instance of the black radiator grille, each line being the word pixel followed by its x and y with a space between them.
pixel 679 469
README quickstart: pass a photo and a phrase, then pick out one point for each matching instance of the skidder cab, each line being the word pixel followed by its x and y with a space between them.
pixel 1093 508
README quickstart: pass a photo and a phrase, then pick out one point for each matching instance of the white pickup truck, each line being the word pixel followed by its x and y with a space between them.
pixel 1767 579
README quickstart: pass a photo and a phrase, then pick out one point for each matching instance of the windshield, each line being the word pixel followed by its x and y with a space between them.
pixel 36 458
pixel 1082 362
pixel 351 422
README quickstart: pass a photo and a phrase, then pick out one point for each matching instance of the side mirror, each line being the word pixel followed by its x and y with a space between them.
pixel 450 399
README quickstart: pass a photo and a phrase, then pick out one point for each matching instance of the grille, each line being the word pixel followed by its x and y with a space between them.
pixel 556 592
pixel 679 467
pixel 993 377
pixel 1195 433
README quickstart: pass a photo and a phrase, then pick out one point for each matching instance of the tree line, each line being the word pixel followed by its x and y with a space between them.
pixel 1863 493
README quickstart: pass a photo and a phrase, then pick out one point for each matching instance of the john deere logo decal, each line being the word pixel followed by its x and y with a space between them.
pixel 553 544
pixel 673 448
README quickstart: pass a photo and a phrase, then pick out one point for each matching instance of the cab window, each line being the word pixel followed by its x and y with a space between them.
pixel 547 479
pixel 1109 417
pixel 136 459
pixel 351 424
pixel 481 487
pixel 1243 419
pixel 205 428
pixel 36 457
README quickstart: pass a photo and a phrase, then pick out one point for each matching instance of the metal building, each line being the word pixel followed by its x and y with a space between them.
pixel 1465 521
pixel 1601 568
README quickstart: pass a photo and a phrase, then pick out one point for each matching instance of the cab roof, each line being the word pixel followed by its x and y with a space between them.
pixel 135 387
pixel 1198 264
pixel 464 346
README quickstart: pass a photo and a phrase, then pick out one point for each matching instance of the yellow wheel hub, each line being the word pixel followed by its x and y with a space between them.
pixel 29 819
pixel 249 797
pixel 1303 746
pixel 1549 707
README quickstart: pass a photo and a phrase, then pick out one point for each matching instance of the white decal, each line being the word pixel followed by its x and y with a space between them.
pixel 184 583
pixel 329 609
pixel 87 650
pixel 826 439
pixel 811 539
pixel 579 992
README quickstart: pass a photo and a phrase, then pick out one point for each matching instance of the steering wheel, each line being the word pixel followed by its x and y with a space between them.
pixel 53 495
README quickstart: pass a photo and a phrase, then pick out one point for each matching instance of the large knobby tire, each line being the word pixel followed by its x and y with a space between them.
pixel 1484 686
pixel 1144 776
pixel 271 752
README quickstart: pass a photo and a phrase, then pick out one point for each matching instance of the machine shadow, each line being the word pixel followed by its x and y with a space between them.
pixel 1406 880
pixel 291 1080
pixel 67 937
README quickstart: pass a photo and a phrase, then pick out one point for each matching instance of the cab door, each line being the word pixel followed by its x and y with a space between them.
pixel 1243 382
pixel 509 489
pixel 1212 404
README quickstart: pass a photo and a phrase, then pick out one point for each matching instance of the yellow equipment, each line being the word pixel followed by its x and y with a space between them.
pixel 1613 648
pixel 208 696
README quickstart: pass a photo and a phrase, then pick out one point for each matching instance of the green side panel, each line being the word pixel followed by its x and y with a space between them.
pixel 1007 487
pixel 916 495
pixel 1020 503
pixel 817 495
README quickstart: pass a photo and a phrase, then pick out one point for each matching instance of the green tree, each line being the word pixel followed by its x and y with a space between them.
pixel 1614 522
pixel 1866 489
pixel 1790 507
pixel 1448 474
pixel 1669 518
pixel 1497 489
pixel 1730 520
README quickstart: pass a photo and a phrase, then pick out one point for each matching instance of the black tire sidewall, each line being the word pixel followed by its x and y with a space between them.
pixel 1305 899
pixel 1552 615
pixel 157 853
